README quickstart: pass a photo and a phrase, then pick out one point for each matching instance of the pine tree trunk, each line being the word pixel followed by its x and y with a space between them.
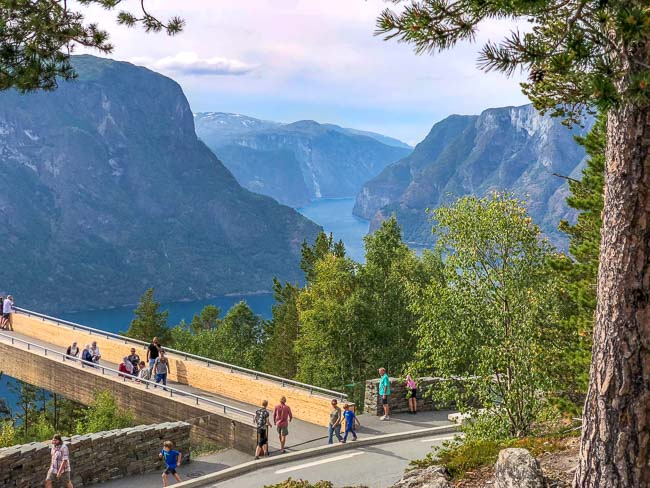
pixel 615 444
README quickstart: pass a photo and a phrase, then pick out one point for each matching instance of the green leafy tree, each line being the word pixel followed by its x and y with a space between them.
pixel 149 321
pixel 330 346
pixel 8 435
pixel 323 245
pixel 240 337
pixel 28 409
pixel 282 331
pixel 37 38
pixel 208 319
pixel 583 54
pixel 494 319
pixel 104 414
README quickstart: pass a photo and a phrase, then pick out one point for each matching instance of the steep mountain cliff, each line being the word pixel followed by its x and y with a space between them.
pixel 106 191
pixel 295 163
pixel 511 148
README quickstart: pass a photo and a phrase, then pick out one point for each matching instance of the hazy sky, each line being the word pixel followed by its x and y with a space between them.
pixel 288 60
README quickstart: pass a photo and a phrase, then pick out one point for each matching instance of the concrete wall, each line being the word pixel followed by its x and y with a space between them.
pixel 95 458
pixel 148 405
pixel 397 398
pixel 305 406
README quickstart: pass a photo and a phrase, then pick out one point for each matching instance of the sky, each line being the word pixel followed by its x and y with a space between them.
pixel 289 60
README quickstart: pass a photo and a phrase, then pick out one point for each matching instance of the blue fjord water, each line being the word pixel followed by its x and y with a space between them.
pixel 334 215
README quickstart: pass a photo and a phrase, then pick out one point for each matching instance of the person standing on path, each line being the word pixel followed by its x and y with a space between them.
pixel 412 386
pixel 8 312
pixel 60 465
pixel 384 391
pixel 153 351
pixel 262 423
pixel 334 428
pixel 172 460
pixel 281 418
pixel 161 369
pixel 350 421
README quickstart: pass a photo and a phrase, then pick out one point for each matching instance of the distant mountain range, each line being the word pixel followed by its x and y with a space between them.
pixel 106 191
pixel 298 162
pixel 510 148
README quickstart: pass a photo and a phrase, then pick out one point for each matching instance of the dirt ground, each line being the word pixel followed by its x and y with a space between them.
pixel 558 468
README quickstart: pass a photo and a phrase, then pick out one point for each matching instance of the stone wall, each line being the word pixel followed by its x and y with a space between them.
pixel 209 423
pixel 312 408
pixel 95 458
pixel 397 399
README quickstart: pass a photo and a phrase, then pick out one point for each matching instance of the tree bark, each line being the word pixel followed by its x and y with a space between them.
pixel 615 444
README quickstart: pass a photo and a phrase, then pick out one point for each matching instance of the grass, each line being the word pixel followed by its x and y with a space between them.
pixel 462 456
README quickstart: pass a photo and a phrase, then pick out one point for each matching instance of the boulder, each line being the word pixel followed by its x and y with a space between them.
pixel 517 468
pixel 431 477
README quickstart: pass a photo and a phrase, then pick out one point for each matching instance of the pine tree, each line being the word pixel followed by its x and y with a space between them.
pixel 208 319
pixel 282 330
pixel 149 321
pixel 240 337
pixel 583 54
pixel 37 37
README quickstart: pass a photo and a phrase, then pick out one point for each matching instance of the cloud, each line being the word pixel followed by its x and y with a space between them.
pixel 190 63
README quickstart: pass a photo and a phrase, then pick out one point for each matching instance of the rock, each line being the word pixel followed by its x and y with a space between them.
pixel 517 468
pixel 431 477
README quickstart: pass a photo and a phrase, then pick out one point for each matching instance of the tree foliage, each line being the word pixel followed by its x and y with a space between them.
pixel 149 321
pixel 37 38
pixel 282 331
pixel 494 319
pixel 104 414
pixel 579 53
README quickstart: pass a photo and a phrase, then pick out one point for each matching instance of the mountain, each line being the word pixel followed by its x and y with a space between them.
pixel 510 148
pixel 106 191
pixel 295 163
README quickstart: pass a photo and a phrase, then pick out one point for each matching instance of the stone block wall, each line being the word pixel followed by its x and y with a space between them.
pixel 95 458
pixel 312 408
pixel 397 400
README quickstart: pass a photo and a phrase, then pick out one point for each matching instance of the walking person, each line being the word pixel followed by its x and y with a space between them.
pixel 172 460
pixel 413 387
pixel 384 391
pixel 60 464
pixel 281 418
pixel 334 428
pixel 161 369
pixel 350 421
pixel 153 351
pixel 134 359
pixel 73 350
pixel 8 312
pixel 262 423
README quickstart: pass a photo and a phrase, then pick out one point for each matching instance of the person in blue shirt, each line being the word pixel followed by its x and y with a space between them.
pixel 384 392
pixel 172 461
pixel 350 420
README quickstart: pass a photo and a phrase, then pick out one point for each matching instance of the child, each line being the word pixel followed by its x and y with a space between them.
pixel 350 420
pixel 172 460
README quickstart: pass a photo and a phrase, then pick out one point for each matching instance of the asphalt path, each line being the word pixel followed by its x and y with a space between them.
pixel 377 466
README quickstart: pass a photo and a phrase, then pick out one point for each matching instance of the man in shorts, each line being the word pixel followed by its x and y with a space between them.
pixel 262 423
pixel 172 460
pixel 281 418
pixel 7 312
pixel 384 391
pixel 60 465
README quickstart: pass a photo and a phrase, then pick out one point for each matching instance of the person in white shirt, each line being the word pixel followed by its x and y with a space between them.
pixel 94 350
pixel 7 312
pixel 73 350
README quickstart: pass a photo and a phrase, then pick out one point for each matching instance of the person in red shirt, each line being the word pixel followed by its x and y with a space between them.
pixel 281 418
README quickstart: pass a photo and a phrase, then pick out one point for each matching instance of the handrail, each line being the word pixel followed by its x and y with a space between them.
pixel 232 367
pixel 103 369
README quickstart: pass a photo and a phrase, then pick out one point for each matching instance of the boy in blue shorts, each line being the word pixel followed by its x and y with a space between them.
pixel 350 420
pixel 172 460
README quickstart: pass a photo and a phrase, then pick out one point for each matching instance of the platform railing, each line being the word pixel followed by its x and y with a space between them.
pixel 104 370
pixel 232 367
